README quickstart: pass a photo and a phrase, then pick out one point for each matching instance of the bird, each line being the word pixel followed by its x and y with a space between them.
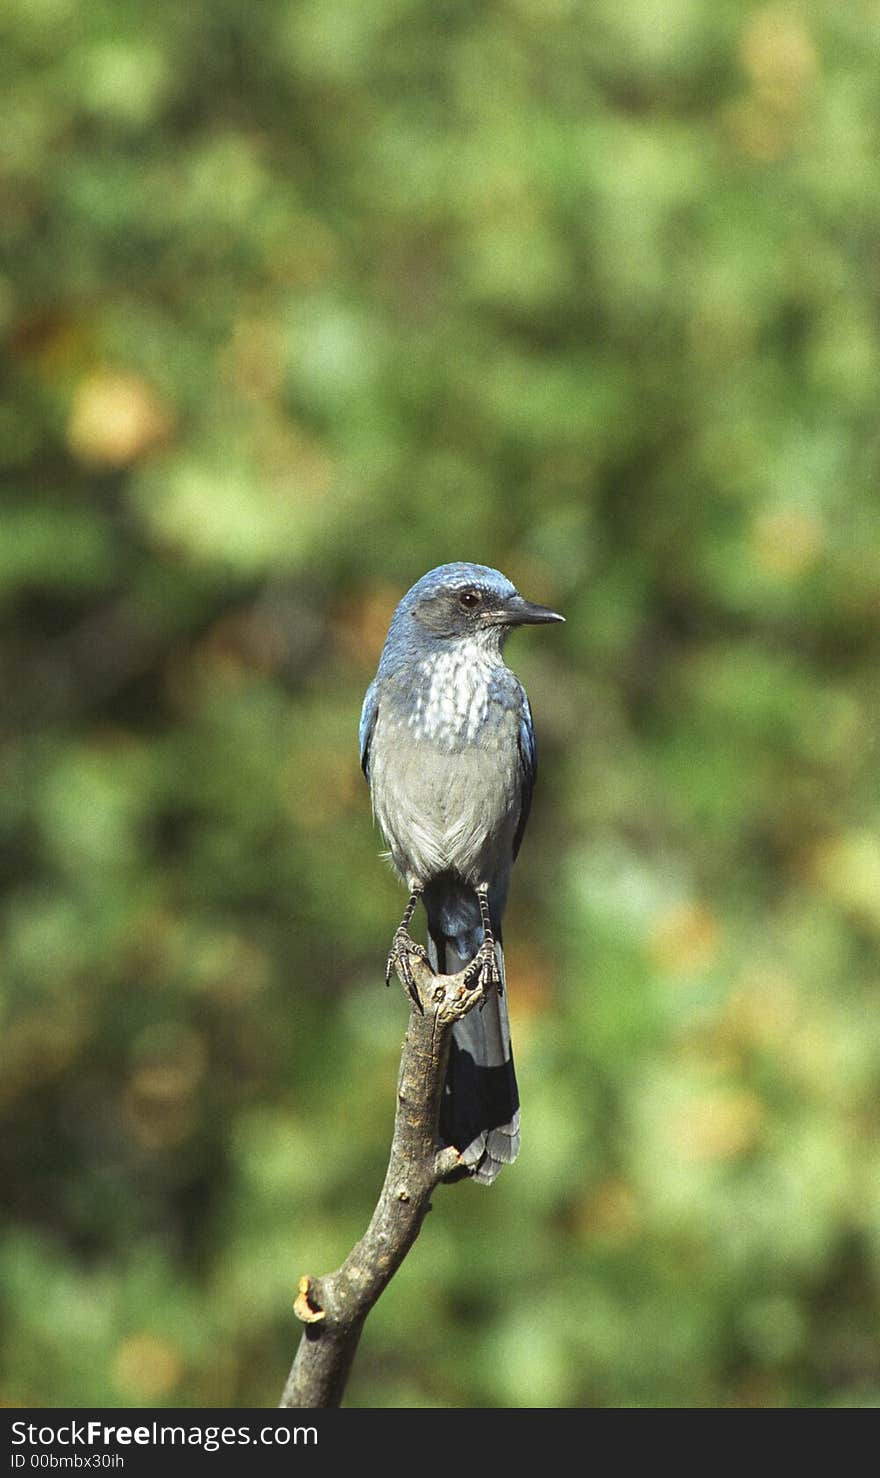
pixel 447 745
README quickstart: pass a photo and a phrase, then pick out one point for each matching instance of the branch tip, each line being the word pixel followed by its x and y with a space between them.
pixel 445 1161
pixel 305 1309
pixel 450 996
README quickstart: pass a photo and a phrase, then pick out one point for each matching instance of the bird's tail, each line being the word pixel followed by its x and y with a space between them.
pixel 480 1110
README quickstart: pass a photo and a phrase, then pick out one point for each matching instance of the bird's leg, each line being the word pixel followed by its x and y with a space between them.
pixel 403 946
pixel 484 965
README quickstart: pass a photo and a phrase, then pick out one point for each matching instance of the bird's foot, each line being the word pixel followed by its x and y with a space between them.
pixel 403 949
pixel 483 970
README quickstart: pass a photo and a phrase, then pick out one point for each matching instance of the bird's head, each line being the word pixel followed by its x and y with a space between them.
pixel 464 601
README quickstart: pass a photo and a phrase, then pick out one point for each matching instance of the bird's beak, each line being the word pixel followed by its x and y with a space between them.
pixel 521 612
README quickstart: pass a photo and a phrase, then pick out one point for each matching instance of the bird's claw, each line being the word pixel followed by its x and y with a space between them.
pixel 403 948
pixel 483 970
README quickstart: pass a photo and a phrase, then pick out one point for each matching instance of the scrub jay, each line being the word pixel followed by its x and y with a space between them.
pixel 448 747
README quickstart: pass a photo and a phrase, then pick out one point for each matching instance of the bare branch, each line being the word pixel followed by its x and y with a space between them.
pixel 334 1307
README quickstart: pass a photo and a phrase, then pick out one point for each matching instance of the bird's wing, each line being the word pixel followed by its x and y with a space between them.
pixel 368 724
pixel 528 756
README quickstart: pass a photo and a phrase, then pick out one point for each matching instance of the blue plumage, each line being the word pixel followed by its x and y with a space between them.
pixel 448 746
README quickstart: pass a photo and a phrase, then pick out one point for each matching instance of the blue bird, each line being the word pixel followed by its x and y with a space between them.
pixel 448 748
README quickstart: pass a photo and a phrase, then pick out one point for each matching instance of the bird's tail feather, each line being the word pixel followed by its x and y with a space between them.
pixel 480 1110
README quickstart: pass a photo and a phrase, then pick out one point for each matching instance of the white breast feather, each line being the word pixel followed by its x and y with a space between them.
pixel 457 700
pixel 448 708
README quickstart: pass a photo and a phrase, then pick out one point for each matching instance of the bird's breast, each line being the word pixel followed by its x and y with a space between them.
pixel 445 773
pixel 452 695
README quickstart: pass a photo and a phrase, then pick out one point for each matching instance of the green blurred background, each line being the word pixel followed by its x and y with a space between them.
pixel 300 300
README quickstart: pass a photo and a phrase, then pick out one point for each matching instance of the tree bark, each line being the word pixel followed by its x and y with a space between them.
pixel 334 1307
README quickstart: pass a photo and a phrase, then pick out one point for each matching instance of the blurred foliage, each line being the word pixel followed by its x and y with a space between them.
pixel 301 299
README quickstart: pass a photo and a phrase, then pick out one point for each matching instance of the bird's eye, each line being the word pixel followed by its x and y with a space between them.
pixel 469 599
